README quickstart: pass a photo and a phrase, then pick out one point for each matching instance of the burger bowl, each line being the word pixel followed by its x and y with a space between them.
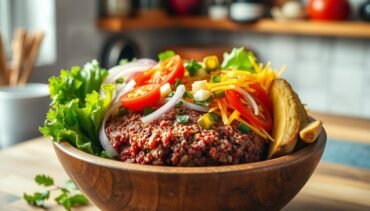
pixel 264 185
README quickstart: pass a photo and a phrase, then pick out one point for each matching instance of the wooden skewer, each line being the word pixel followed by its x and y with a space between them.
pixel 18 51
pixel 4 79
pixel 33 53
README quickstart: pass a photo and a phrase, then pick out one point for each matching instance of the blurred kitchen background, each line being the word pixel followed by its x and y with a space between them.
pixel 328 60
pixel 331 73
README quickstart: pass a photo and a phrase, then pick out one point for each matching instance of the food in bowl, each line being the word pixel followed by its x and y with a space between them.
pixel 179 113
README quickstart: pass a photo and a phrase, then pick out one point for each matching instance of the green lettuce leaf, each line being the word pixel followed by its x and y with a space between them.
pixel 239 59
pixel 76 83
pixel 77 108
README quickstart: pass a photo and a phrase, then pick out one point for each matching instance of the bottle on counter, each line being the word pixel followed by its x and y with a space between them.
pixel 246 11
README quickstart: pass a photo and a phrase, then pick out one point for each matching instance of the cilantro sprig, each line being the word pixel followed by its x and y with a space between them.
pixel 69 194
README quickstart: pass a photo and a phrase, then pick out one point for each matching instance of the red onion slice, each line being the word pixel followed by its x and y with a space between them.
pixel 249 97
pixel 166 107
pixel 104 141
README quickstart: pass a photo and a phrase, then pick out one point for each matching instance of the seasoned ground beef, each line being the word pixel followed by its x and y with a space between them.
pixel 167 142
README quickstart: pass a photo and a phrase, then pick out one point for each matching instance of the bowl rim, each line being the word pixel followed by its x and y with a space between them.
pixel 286 160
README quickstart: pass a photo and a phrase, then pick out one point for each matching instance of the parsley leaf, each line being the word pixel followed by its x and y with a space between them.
pixel 182 119
pixel 187 95
pixel 205 102
pixel 37 199
pixel 177 83
pixel 44 180
pixel 165 55
pixel 69 194
pixel 239 59
pixel 193 67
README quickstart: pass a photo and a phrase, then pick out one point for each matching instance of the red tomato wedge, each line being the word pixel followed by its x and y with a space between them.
pixel 263 121
pixel 167 71
pixel 261 95
pixel 141 97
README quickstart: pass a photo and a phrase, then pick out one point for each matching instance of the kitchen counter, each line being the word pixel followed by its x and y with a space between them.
pixel 331 187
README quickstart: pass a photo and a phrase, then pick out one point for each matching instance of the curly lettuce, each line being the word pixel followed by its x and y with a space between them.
pixel 239 59
pixel 77 108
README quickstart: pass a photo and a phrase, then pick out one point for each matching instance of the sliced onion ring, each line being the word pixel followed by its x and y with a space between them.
pixel 249 97
pixel 128 87
pixel 126 71
pixel 193 106
pixel 104 141
pixel 166 107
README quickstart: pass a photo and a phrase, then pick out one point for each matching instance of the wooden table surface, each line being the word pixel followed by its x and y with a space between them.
pixel 332 187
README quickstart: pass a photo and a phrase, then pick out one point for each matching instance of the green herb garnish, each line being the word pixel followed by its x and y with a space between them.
pixel 177 83
pixel 182 119
pixel 69 194
pixel 148 111
pixel 193 67
pixel 178 104
pixel 243 128
pixel 205 102
pixel 120 81
pixel 122 111
pixel 165 55
pixel 187 95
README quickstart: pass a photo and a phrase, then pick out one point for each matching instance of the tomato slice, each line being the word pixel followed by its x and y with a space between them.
pixel 263 121
pixel 167 71
pixel 262 96
pixel 141 97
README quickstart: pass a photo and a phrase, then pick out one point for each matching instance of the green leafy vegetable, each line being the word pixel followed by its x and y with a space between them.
pixel 187 95
pixel 205 102
pixel 120 81
pixel 76 83
pixel 148 111
pixel 178 104
pixel 193 67
pixel 177 83
pixel 165 55
pixel 182 119
pixel 239 59
pixel 214 116
pixel 243 128
pixel 37 199
pixel 70 195
pixel 44 180
pixel 77 108
pixel 122 111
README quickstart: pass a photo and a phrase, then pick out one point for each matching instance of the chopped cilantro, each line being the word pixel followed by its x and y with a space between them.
pixel 178 104
pixel 193 67
pixel 243 128
pixel 148 111
pixel 182 119
pixel 120 80
pixel 122 111
pixel 187 95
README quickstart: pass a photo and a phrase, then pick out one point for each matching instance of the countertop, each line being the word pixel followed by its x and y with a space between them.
pixel 331 187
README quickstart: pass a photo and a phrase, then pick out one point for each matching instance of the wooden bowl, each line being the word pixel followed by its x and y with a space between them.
pixel 265 185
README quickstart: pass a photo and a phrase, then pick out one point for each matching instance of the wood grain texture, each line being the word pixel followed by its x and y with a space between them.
pixel 267 185
pixel 19 165
pixel 299 27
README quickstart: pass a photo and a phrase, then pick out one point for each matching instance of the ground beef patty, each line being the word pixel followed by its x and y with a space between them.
pixel 167 142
